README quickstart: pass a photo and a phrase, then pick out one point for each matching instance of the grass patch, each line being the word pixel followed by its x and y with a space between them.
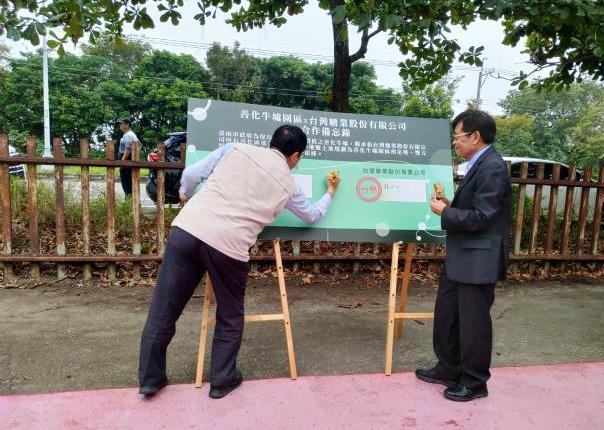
pixel 95 170
pixel 73 210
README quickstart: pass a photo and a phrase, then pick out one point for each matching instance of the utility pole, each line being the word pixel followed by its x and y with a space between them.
pixel 480 83
pixel 47 152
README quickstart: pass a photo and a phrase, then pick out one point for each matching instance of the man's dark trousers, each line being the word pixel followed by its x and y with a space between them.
pixel 463 333
pixel 126 180
pixel 126 176
pixel 185 261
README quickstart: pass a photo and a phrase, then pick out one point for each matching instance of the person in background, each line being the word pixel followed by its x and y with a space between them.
pixel 127 142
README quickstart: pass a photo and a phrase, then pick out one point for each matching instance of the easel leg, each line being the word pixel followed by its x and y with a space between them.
pixel 398 331
pixel 203 334
pixel 391 306
pixel 288 329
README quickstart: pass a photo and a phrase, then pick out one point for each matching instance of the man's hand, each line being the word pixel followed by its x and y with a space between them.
pixel 333 181
pixel 437 206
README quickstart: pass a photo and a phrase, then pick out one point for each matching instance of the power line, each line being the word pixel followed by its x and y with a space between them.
pixel 268 91
pixel 269 53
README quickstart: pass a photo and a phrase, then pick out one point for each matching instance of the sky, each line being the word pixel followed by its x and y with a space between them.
pixel 309 36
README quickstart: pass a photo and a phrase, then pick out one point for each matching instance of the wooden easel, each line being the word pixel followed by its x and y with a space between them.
pixel 394 326
pixel 205 320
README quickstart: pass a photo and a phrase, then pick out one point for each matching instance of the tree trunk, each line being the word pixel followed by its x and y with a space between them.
pixel 341 64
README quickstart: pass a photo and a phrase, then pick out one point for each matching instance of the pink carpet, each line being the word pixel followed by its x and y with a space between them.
pixel 566 396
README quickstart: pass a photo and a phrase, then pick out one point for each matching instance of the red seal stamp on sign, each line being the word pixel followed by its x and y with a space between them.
pixel 369 189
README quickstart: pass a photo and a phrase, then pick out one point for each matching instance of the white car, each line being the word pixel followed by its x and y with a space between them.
pixel 532 168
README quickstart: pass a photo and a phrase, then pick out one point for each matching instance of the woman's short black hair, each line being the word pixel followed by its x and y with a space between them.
pixel 289 139
pixel 477 120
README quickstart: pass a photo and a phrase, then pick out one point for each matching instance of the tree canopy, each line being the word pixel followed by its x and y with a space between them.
pixel 562 35
pixel 563 126
pixel 90 92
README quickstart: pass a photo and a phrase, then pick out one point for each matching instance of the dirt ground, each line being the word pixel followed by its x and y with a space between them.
pixel 69 336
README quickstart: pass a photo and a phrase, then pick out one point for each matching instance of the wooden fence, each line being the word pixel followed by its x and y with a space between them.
pixel 538 233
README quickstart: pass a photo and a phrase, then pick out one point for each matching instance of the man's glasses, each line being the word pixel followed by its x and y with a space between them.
pixel 455 136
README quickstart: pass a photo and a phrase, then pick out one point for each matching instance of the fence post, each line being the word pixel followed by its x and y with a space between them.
pixel 337 251
pixel 110 155
pixel 316 250
pixel 85 178
pixel 535 216
pixel 295 252
pixel 568 212
pixel 32 205
pixel 551 216
pixel 6 218
pixel 598 212
pixel 568 215
pixel 254 252
pixel 136 210
pixel 357 253
pixel 183 152
pixel 160 198
pixel 57 144
pixel 520 210
pixel 376 251
pixel 583 210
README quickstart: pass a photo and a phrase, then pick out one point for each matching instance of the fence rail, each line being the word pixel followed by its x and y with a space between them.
pixel 538 233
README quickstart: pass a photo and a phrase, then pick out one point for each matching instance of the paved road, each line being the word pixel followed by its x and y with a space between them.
pixel 98 186
pixel 70 335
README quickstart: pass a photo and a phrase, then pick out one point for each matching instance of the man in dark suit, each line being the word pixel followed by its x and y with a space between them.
pixel 477 224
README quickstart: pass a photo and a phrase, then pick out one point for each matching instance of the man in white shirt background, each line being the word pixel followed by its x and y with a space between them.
pixel 246 187
pixel 128 140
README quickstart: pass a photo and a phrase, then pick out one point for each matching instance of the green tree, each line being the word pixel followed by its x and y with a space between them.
pixel 88 94
pixel 366 96
pixel 434 101
pixel 561 35
pixel 587 136
pixel 515 136
pixel 4 57
pixel 156 97
pixel 123 56
pixel 291 82
pixel 553 114
pixel 21 96
pixel 235 75
pixel 77 106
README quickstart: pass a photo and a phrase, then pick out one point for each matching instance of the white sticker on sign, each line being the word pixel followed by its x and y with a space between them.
pixel 403 190
pixel 304 181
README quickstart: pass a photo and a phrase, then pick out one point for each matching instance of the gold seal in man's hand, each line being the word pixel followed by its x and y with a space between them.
pixel 333 178
pixel 439 190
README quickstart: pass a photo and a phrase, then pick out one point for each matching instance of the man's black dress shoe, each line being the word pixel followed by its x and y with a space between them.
pixel 219 391
pixel 149 390
pixel 460 393
pixel 430 375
